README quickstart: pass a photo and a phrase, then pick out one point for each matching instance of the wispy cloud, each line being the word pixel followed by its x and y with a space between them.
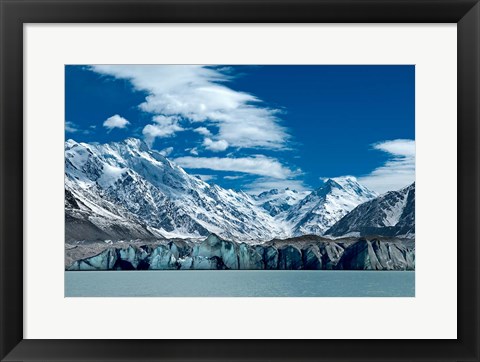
pixel 233 177
pixel 196 93
pixel 192 151
pixel 399 147
pixel 267 183
pixel 398 171
pixel 166 151
pixel 71 127
pixel 206 178
pixel 203 131
pixel 115 121
pixel 256 165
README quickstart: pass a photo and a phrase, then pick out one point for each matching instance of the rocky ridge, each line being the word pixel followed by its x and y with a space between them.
pixel 391 214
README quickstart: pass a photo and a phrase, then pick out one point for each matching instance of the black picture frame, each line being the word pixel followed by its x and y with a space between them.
pixel 16 13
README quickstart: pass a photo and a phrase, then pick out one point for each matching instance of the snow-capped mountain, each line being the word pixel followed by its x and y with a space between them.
pixel 276 201
pixel 117 186
pixel 325 206
pixel 391 214
pixel 125 190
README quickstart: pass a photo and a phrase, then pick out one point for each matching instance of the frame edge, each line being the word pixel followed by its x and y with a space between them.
pixel 11 181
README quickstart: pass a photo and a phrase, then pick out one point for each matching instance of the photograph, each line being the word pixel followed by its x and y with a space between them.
pixel 233 162
pixel 186 180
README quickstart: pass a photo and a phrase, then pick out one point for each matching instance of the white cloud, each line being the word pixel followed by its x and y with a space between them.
pixel 71 127
pixel 163 127
pixel 257 165
pixel 199 93
pixel 233 177
pixel 115 121
pixel 399 147
pixel 266 184
pixel 398 171
pixel 215 146
pixel 194 151
pixel 166 151
pixel 206 178
pixel 203 131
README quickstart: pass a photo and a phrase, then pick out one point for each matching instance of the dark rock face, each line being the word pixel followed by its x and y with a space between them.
pixel 80 226
pixel 214 253
pixel 290 258
pixel 391 214
pixel 376 255
pixel 331 254
pixel 70 201
pixel 360 256
pixel 269 256
pixel 312 258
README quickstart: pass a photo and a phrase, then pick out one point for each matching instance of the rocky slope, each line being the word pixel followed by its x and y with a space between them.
pixel 309 252
pixel 391 214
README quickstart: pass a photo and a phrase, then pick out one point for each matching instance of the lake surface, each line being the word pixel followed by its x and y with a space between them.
pixel 240 283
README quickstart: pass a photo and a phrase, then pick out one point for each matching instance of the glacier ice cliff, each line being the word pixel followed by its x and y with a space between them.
pixel 214 253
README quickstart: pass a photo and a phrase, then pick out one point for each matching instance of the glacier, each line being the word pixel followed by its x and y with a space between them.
pixel 214 253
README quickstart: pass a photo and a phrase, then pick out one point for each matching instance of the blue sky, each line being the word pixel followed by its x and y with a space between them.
pixel 255 127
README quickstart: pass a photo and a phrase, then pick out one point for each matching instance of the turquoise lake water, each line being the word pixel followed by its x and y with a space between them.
pixel 240 283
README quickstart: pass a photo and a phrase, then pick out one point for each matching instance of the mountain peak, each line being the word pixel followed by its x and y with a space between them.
pixel 268 193
pixel 276 201
pixel 135 143
pixel 70 142
pixel 327 204
pixel 344 179
pixel 410 187
pixel 341 181
pixel 327 187
pixel 348 184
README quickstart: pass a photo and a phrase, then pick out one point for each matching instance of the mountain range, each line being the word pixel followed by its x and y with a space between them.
pixel 125 191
